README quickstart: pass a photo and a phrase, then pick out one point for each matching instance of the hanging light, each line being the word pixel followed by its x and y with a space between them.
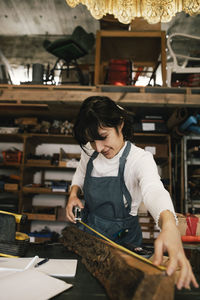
pixel 125 11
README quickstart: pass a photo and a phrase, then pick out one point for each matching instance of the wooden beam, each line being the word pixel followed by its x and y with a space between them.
pixel 122 275
pixel 77 94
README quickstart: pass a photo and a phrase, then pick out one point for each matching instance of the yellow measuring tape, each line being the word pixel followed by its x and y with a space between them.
pixel 8 255
pixel 161 268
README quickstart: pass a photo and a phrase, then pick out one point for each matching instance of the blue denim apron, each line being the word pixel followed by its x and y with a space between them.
pixel 105 210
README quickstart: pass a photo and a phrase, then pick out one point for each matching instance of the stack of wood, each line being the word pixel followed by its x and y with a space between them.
pixel 124 276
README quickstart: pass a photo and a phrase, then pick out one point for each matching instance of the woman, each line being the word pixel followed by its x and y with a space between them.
pixel 115 177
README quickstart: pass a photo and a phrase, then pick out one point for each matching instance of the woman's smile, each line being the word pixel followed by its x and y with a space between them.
pixel 111 143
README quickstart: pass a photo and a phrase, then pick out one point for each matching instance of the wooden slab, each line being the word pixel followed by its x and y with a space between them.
pixel 122 275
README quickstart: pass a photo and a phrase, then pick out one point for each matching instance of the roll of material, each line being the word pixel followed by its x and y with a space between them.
pixel 37 73
pixel 192 120
pixel 177 117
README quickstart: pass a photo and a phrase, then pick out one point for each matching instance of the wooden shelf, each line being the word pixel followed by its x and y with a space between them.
pixel 10 165
pixel 29 190
pixel 40 166
pixel 10 191
pixel 64 100
pixel 149 230
pixel 41 217
pixel 14 138
pixel 39 138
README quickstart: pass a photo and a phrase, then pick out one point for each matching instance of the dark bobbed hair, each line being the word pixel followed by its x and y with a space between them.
pixel 98 111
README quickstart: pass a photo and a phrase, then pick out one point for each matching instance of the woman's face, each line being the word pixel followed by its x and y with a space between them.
pixel 111 144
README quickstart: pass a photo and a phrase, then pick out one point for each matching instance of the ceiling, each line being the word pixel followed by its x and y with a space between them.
pixel 55 17
pixel 24 24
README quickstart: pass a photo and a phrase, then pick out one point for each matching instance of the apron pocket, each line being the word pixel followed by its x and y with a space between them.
pixel 106 227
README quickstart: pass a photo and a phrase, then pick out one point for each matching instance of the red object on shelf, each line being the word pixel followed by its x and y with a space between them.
pixel 12 156
pixel 190 238
pixel 119 72
pixel 192 222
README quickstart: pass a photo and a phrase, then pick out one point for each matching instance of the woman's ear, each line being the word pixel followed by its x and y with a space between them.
pixel 120 127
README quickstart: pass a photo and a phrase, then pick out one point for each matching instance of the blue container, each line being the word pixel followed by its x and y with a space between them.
pixel 195 129
pixel 190 121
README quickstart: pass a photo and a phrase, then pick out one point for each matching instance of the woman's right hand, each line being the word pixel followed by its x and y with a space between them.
pixel 73 201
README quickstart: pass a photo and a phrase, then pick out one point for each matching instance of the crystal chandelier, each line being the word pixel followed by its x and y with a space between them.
pixel 125 11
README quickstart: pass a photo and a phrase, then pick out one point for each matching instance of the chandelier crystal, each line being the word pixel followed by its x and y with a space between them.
pixel 125 11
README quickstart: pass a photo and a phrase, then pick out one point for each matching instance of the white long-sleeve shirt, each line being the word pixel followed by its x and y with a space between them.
pixel 140 175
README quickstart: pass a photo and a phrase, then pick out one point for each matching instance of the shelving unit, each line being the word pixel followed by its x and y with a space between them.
pixel 63 103
pixel 191 173
pixel 10 197
pixel 26 171
pixel 31 144
pixel 160 146
pixel 159 143
pixel 143 48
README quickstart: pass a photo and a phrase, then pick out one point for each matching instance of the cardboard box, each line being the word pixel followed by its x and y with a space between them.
pixel 10 186
pixel 159 150
pixel 62 163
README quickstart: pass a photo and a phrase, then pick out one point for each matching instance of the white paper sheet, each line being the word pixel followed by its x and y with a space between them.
pixel 53 267
pixel 59 267
pixel 31 284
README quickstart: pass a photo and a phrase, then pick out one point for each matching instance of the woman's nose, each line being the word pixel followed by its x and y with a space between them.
pixel 99 145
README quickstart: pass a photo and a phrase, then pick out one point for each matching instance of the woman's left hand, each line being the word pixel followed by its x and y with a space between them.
pixel 170 240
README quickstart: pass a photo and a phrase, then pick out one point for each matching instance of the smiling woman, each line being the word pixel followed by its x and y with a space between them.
pixel 98 113
pixel 111 143
pixel 116 176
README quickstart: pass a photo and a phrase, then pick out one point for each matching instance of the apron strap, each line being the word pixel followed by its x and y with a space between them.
pixel 90 163
pixel 122 163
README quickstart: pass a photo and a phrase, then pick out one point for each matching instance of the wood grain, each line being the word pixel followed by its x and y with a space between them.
pixel 123 276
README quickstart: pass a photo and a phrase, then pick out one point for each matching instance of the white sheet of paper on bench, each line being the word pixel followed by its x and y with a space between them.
pixel 59 267
pixel 31 284
pixel 53 267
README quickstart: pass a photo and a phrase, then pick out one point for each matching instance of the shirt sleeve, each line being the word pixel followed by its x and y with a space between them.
pixel 79 175
pixel 156 198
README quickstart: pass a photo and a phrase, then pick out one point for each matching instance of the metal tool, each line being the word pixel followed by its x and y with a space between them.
pixel 77 213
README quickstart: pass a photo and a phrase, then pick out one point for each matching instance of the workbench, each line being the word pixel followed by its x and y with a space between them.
pixel 85 286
